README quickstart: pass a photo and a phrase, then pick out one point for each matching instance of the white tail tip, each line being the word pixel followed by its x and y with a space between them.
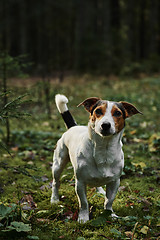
pixel 61 103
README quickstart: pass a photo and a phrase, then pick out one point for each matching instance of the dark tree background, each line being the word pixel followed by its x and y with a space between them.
pixel 105 36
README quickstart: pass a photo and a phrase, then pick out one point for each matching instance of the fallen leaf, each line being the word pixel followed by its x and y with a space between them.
pixel 42 212
pixel 129 204
pixel 27 202
pixel 45 124
pixel 43 220
pixel 44 178
pixel 142 165
pixel 136 191
pixel 151 189
pixel 129 234
pixel 68 214
pixel 133 132
pixel 144 230
pixel 75 216
pixel 154 108
pixel 30 163
pixel 145 201
pixel 46 186
pixel 146 209
pixel 122 188
pixel 143 125
pixel 138 140
pixel 14 149
pixel 151 143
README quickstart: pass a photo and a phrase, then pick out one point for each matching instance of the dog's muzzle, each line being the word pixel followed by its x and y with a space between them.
pixel 106 129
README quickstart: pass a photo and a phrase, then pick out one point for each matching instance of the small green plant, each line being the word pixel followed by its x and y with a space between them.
pixel 11 110
pixel 10 219
pixel 102 219
pixel 18 226
pixel 10 67
pixel 116 233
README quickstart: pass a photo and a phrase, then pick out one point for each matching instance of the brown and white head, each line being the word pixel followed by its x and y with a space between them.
pixel 106 117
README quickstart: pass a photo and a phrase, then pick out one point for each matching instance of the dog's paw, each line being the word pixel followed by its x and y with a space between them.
pixel 82 220
pixel 83 217
pixel 114 216
pixel 54 200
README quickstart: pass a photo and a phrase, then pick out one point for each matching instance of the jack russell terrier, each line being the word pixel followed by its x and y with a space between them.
pixel 95 151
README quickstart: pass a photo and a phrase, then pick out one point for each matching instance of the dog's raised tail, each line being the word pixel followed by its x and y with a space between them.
pixel 61 103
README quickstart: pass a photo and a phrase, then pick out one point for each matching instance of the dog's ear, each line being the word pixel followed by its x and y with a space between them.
pixel 89 103
pixel 130 109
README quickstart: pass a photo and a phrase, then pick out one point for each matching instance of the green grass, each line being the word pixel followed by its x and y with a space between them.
pixel 25 178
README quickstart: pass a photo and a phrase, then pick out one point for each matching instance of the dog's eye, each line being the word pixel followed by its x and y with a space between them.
pixel 117 114
pixel 98 111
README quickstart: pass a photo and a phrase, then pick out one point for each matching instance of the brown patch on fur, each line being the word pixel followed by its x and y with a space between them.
pixel 89 103
pixel 95 115
pixel 130 109
pixel 119 120
pixel 92 117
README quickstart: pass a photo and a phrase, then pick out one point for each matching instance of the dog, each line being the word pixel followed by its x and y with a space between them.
pixel 95 151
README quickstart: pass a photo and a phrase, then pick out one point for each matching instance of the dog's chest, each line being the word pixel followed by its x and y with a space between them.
pixel 100 164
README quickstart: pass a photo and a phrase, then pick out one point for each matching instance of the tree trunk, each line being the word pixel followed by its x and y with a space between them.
pixel 79 32
pixel 46 82
pixel 154 31
pixel 23 27
pixel 4 67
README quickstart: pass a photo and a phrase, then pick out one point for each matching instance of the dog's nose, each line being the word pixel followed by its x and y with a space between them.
pixel 106 126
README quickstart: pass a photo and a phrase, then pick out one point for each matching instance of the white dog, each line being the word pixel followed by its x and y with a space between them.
pixel 95 151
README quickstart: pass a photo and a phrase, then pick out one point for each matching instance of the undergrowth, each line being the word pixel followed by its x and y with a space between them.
pixel 25 176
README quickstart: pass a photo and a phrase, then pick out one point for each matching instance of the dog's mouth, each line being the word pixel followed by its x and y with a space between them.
pixel 106 133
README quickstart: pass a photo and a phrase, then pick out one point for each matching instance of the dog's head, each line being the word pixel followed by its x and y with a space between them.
pixel 106 117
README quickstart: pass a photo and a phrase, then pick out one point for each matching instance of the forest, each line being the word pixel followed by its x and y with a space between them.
pixel 102 36
pixel 80 48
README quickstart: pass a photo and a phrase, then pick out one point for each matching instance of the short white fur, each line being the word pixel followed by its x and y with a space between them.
pixel 61 103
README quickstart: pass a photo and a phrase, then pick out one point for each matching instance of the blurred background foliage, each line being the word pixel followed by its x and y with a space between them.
pixel 100 36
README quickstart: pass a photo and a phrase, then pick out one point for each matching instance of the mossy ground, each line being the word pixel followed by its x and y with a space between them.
pixel 25 178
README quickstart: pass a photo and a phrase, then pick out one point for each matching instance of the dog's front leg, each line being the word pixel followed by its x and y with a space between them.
pixel 111 191
pixel 80 188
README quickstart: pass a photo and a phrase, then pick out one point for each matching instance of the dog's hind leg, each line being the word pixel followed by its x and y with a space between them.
pixel 101 191
pixel 60 159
